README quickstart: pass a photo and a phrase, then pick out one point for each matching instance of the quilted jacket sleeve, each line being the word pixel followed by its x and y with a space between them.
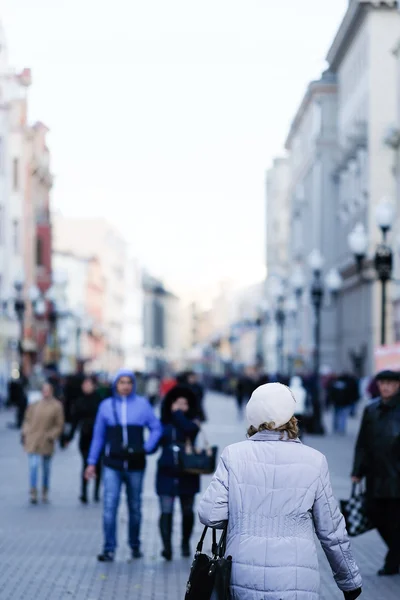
pixel 213 508
pixel 331 531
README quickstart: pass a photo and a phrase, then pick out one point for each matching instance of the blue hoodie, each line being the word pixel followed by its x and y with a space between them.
pixel 120 424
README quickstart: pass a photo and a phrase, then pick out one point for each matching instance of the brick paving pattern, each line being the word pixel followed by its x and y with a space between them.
pixel 48 552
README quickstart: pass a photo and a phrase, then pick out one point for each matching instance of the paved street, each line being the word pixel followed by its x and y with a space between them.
pixel 48 552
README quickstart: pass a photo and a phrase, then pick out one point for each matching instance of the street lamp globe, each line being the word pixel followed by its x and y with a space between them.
pixel 316 261
pixel 40 307
pixel 34 293
pixel 384 214
pixel 19 282
pixel 298 281
pixel 358 241
pixel 334 281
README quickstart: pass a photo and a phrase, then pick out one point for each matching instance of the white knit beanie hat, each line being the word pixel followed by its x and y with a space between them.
pixel 270 403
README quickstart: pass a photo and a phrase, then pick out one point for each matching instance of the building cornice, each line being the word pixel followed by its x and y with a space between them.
pixel 320 86
pixel 350 24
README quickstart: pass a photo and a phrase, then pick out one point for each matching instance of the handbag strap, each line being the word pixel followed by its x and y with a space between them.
pixel 201 541
pixel 218 548
pixel 221 548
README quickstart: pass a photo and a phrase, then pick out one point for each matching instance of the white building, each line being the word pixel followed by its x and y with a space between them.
pixel 278 217
pixel 312 147
pixel 361 57
pixel 13 90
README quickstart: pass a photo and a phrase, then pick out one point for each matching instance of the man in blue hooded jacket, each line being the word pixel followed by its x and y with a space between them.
pixel 119 434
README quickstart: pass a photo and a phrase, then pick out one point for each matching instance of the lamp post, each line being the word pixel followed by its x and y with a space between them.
pixel 333 283
pixel 261 322
pixel 292 311
pixel 383 258
pixel 298 285
pixel 280 319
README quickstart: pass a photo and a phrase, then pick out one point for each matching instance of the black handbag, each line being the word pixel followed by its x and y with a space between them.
pixel 198 461
pixel 355 512
pixel 210 575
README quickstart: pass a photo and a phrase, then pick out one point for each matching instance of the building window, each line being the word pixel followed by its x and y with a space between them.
pixel 16 173
pixel 15 236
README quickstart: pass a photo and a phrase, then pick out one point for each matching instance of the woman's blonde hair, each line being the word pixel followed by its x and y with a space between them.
pixel 291 428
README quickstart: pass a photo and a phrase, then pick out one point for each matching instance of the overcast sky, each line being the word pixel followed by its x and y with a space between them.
pixel 165 115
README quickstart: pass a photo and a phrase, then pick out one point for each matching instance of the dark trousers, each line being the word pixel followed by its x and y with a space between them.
pixel 167 509
pixel 167 504
pixel 385 514
pixel 84 450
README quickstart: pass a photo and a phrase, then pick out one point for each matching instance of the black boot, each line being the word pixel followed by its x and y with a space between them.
pixel 187 528
pixel 166 535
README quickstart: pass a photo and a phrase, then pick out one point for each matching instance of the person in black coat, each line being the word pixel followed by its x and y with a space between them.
pixel 178 416
pixel 83 417
pixel 377 458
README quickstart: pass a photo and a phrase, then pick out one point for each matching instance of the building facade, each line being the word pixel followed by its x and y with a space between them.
pixel 278 218
pixel 97 238
pixel 37 236
pixel 13 126
pixel 312 148
pixel 162 334
pixel 361 58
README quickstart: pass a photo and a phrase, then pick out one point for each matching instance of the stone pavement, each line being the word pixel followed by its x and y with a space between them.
pixel 48 552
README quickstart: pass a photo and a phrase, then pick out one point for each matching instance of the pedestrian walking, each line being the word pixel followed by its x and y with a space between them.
pixel 178 416
pixel 377 458
pixel 17 397
pixel 342 394
pixel 191 379
pixel 83 417
pixel 276 494
pixel 245 387
pixel 153 388
pixel 42 426
pixel 119 430
pixel 300 395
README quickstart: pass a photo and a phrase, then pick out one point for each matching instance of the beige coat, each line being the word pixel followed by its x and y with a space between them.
pixel 43 425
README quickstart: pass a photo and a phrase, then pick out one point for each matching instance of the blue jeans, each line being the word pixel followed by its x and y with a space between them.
pixel 34 460
pixel 112 482
pixel 340 415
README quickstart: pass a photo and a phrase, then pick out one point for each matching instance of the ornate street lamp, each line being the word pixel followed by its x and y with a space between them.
pixel 333 283
pixel 383 259
pixel 280 319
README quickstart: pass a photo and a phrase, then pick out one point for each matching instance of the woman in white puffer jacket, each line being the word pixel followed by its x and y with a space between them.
pixel 276 494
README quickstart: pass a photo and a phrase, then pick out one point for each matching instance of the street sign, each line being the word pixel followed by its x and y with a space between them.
pixel 387 357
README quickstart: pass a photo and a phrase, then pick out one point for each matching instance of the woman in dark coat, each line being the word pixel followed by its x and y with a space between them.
pixel 178 415
pixel 83 417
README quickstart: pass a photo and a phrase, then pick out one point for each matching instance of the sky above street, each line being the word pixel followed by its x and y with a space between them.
pixel 165 115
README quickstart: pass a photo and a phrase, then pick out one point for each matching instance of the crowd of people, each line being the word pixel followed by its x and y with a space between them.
pixel 258 488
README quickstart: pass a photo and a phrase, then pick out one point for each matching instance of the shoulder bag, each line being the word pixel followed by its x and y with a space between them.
pixel 198 461
pixel 355 512
pixel 210 575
